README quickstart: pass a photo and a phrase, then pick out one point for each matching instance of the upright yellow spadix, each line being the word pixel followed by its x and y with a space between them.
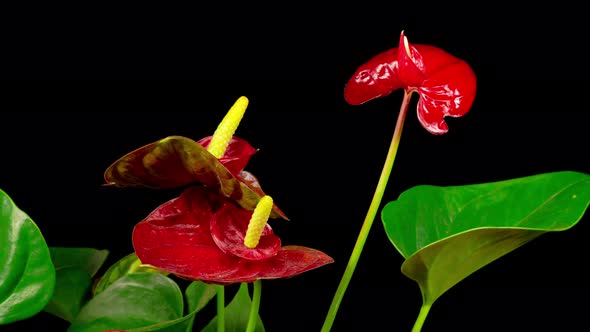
pixel 227 127
pixel 258 221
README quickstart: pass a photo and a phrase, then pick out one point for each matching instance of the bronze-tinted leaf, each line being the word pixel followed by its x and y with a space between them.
pixel 177 161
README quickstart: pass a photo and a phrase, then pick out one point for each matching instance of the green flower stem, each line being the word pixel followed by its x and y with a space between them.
pixel 370 217
pixel 220 308
pixel 421 317
pixel 253 317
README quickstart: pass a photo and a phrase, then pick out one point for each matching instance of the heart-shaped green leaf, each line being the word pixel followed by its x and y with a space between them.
pixel 126 265
pixel 177 161
pixel 74 268
pixel 135 300
pixel 27 275
pixel 447 233
pixel 236 313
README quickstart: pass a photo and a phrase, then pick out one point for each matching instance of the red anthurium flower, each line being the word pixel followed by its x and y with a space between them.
pixel 201 236
pixel 177 161
pixel 446 84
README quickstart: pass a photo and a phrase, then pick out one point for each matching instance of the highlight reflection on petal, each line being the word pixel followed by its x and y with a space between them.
pixel 446 84
pixel 199 236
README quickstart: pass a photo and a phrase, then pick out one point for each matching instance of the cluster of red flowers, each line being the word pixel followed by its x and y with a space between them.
pixel 200 234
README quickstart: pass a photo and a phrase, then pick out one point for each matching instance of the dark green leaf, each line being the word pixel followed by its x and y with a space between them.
pixel 135 300
pixel 126 265
pixel 447 233
pixel 27 275
pixel 74 268
pixel 89 259
pixel 72 288
pixel 198 294
pixel 236 313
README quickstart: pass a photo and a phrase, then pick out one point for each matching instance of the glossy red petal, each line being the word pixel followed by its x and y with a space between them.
pixel 193 262
pixel 251 182
pixel 435 59
pixel 446 84
pixel 289 261
pixel 236 155
pixel 228 229
pixel 376 78
pixel 411 66
pixel 182 220
pixel 452 98
pixel 176 237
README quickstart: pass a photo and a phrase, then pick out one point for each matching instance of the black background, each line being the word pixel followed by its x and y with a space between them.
pixel 83 86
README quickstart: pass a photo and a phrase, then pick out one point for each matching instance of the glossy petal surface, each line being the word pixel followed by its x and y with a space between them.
pixel 228 229
pixel 178 161
pixel 179 237
pixel 446 84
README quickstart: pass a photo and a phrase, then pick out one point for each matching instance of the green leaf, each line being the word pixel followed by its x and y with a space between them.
pixel 447 233
pixel 72 288
pixel 236 313
pixel 198 294
pixel 27 275
pixel 74 268
pixel 126 265
pixel 89 259
pixel 135 300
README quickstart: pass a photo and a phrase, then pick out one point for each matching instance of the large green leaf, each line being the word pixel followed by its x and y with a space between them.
pixel 236 313
pixel 124 266
pixel 27 275
pixel 177 161
pixel 74 268
pixel 135 300
pixel 447 233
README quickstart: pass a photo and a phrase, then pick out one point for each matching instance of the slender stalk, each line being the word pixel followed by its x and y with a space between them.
pixel 253 317
pixel 220 308
pixel 370 217
pixel 421 317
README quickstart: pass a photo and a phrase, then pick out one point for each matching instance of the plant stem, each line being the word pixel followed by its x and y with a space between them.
pixel 253 317
pixel 220 308
pixel 370 217
pixel 421 317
